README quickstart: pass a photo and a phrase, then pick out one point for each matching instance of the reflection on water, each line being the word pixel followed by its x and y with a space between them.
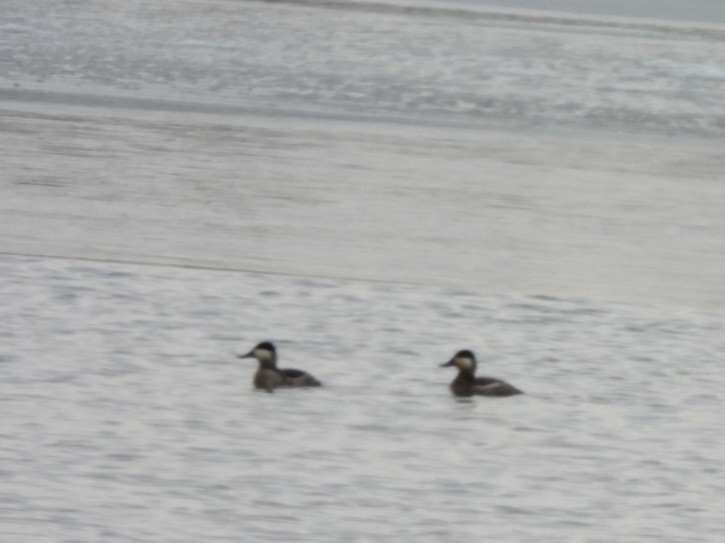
pixel 127 417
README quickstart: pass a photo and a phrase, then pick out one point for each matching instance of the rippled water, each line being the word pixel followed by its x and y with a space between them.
pixel 492 180
pixel 126 416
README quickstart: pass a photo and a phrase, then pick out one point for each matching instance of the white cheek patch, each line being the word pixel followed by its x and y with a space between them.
pixel 464 363
pixel 262 354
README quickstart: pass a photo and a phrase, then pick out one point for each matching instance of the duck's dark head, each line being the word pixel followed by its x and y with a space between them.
pixel 264 352
pixel 463 360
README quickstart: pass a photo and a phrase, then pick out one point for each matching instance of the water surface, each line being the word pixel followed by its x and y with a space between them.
pixel 545 189
pixel 126 416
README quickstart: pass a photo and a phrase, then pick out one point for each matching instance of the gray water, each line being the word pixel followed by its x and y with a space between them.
pixel 126 416
pixel 373 187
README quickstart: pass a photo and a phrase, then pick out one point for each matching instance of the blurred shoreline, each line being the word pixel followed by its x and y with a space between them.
pixel 491 211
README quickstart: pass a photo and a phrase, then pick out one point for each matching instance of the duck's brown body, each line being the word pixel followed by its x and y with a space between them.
pixel 467 384
pixel 269 376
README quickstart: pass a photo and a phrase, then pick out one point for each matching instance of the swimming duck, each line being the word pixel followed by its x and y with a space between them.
pixel 467 384
pixel 269 376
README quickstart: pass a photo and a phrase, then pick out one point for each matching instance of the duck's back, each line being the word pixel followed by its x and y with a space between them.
pixel 298 378
pixel 488 386
pixel 464 385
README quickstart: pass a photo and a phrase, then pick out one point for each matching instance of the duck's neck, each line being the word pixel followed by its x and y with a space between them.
pixel 465 375
pixel 269 364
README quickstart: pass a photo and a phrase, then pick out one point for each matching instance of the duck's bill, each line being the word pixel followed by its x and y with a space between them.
pixel 447 364
pixel 248 355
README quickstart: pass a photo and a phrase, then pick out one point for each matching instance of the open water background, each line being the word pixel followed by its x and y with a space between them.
pixel 373 186
pixel 126 416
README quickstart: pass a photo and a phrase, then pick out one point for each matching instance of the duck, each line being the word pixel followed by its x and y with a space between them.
pixel 467 384
pixel 269 376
